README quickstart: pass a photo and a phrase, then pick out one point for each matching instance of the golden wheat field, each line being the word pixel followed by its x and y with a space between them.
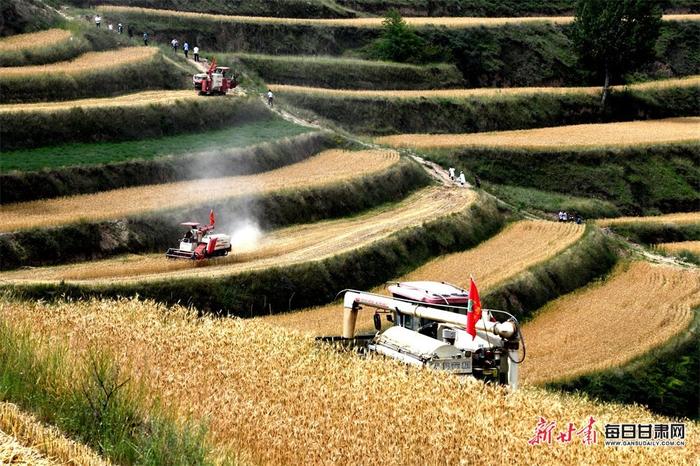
pixel 34 40
pixel 450 22
pixel 138 99
pixel 519 246
pixel 277 248
pixel 12 452
pixel 328 167
pixel 88 62
pixel 681 218
pixel 273 396
pixel 646 132
pixel 639 307
pixel 673 248
pixel 690 81
pixel 47 444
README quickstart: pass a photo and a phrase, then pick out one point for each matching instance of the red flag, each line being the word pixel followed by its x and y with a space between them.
pixel 474 312
pixel 212 220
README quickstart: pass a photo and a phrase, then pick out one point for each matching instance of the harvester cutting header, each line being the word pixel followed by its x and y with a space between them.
pixel 217 80
pixel 433 328
pixel 200 243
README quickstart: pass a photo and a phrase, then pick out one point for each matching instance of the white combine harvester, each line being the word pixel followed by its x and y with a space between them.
pixel 430 329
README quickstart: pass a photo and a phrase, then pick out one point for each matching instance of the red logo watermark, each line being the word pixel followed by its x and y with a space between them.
pixel 544 433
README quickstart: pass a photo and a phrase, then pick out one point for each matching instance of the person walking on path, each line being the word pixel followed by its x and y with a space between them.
pixel 174 44
pixel 145 38
pixel 451 171
pixel 120 28
pixel 462 178
pixel 195 52
pixel 98 20
pixel 270 98
pixel 186 48
pixel 477 181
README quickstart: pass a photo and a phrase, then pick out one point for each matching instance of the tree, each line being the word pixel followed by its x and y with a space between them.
pixel 613 37
pixel 400 43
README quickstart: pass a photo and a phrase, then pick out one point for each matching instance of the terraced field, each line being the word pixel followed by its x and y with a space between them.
pixel 138 99
pixel 272 396
pixel 328 167
pixel 672 248
pixel 682 218
pixel 34 40
pixel 449 22
pixel 670 130
pixel 689 82
pixel 641 306
pixel 278 248
pixel 89 62
pixel 24 440
pixel 518 247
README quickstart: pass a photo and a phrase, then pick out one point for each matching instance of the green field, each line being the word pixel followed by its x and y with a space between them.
pixel 103 153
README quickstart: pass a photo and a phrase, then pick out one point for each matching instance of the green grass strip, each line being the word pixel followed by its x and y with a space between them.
pixel 551 202
pixel 68 155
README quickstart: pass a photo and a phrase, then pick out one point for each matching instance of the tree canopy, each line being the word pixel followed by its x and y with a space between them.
pixel 614 37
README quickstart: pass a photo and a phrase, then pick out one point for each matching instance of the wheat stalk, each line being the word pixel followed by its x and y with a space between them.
pixel 278 397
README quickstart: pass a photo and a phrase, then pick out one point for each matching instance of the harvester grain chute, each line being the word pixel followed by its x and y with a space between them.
pixel 200 243
pixel 430 328
pixel 217 80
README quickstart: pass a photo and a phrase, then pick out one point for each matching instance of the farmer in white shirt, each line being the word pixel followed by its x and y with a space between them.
pixel 98 20
pixel 452 173
pixel 195 50
pixel 462 179
pixel 186 48
pixel 270 98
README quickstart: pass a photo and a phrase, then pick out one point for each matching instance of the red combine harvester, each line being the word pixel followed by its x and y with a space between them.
pixel 199 242
pixel 217 80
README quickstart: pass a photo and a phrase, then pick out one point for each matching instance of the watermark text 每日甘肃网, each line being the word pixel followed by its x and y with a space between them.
pixel 614 435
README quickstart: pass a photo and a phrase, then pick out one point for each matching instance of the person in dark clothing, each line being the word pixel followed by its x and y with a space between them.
pixel 145 38
pixel 477 181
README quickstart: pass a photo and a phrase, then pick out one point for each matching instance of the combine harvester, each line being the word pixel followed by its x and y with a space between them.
pixel 216 81
pixel 433 328
pixel 199 243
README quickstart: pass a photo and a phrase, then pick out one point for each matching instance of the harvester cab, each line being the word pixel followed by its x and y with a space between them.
pixel 200 243
pixel 429 327
pixel 217 80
